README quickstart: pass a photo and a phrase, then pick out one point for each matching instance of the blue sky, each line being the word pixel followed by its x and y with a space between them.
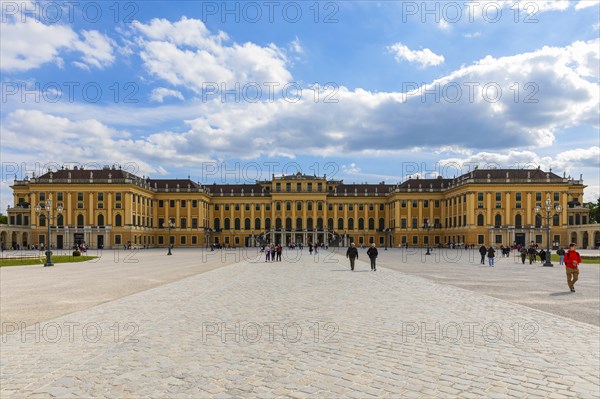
pixel 388 89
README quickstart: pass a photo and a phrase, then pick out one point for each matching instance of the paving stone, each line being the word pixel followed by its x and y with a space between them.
pixel 194 341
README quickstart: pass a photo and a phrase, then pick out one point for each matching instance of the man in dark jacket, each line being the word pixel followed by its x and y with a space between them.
pixel 352 254
pixel 483 251
pixel 372 253
pixel 532 253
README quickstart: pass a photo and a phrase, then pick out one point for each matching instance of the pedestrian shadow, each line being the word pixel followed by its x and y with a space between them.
pixel 561 293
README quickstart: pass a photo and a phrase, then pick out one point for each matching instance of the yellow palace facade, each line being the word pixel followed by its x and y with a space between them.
pixel 108 208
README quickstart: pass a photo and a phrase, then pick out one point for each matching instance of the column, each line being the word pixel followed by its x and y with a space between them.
pixel 529 211
pixel 109 210
pixel 69 210
pixel 470 209
pixel 398 206
pixel 488 205
pixel 90 217
pixel 508 213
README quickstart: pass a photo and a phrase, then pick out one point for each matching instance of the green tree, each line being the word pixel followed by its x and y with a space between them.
pixel 594 210
pixel 3 219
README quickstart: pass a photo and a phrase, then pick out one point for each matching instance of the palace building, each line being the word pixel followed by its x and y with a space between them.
pixel 110 208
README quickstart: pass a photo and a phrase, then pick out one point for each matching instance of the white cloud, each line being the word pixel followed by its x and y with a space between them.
pixel 367 123
pixel 586 4
pixel 25 46
pixel 160 93
pixel 472 35
pixel 296 46
pixel 97 50
pixel 186 53
pixel 30 44
pixel 443 25
pixel 351 169
pixel 88 140
pixel 424 58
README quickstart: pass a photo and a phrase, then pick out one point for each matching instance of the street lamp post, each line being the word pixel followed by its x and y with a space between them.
pixel 427 226
pixel 547 211
pixel 169 226
pixel 46 210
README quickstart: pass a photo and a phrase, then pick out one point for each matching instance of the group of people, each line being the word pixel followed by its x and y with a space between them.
pixel 570 258
pixel 352 255
pixel 272 252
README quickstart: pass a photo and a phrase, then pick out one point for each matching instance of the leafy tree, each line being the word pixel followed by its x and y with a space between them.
pixel 3 219
pixel 594 210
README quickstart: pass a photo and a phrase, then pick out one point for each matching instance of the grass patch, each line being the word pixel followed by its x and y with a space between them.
pixel 42 260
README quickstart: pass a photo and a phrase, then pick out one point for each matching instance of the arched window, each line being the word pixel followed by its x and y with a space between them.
pixel 381 224
pixel 60 220
pixel 319 223
pixel 340 224
pixel 298 223
pixel 309 224
pixel 217 224
pixel 480 220
pixel 80 220
pixel 361 223
pixel 288 223
pixel 371 224
pixel 42 220
pixel 257 223
pixel 498 220
pixel 278 223
pixel 351 224
pixel 227 224
pixel 330 223
pixel 118 220
pixel 267 223
pixel 247 224
pixel 100 220
pixel 237 224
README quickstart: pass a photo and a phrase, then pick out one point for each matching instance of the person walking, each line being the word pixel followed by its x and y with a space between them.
pixel 572 261
pixel 531 252
pixel 561 255
pixel 542 256
pixel 273 252
pixel 491 253
pixel 278 252
pixel 482 251
pixel 352 254
pixel 372 254
pixel 523 252
pixel 267 253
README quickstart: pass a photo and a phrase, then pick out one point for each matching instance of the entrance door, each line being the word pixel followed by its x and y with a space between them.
pixel 59 241
pixel 520 239
pixel 78 237
pixel 100 240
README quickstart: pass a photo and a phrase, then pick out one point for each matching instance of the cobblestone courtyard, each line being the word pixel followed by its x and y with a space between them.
pixel 196 325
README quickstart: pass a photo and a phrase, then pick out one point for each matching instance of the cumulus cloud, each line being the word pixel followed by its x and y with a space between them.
pixel 28 44
pixel 586 4
pixel 186 53
pixel 160 93
pixel 96 49
pixel 87 140
pixel 425 58
pixel 359 122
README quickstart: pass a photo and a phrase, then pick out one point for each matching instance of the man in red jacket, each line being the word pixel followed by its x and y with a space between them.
pixel 572 261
